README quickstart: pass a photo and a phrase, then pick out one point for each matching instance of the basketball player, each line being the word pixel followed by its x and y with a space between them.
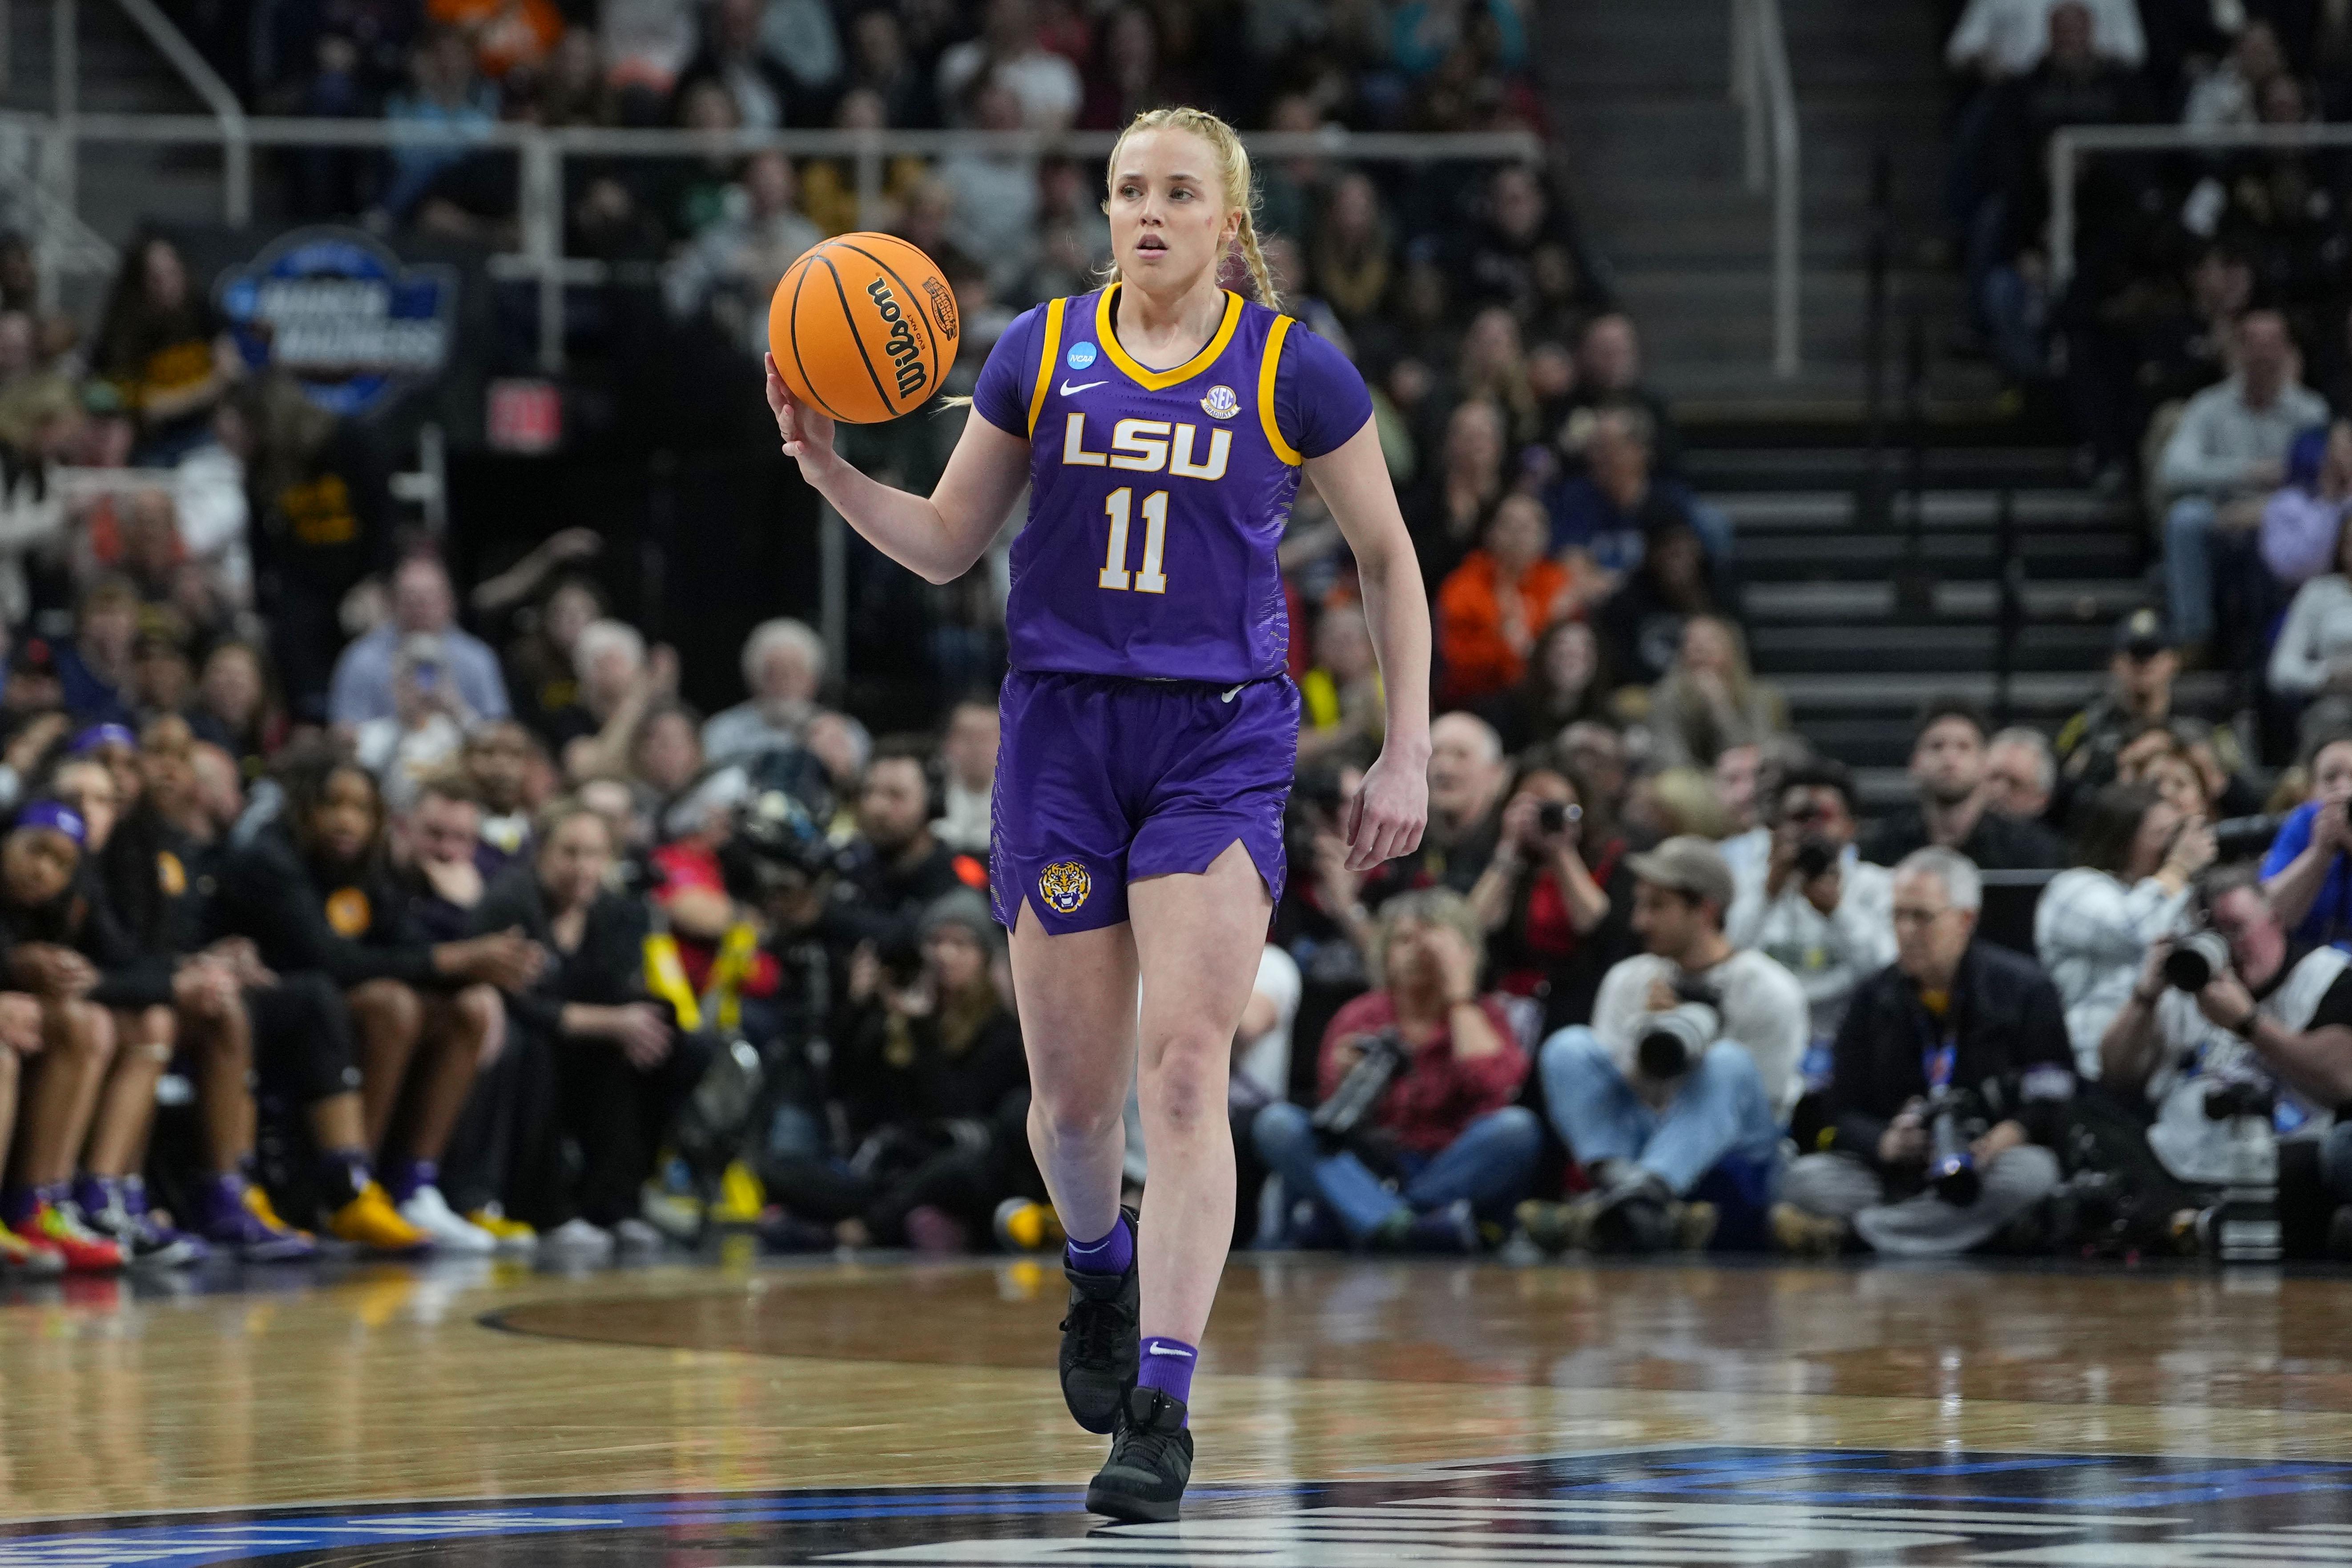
pixel 1150 735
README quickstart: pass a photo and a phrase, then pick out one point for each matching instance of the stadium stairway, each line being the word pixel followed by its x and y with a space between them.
pixel 1638 98
pixel 1859 619
pixel 122 72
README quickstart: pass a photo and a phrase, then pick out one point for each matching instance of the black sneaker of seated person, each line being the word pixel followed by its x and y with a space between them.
pixel 1150 1460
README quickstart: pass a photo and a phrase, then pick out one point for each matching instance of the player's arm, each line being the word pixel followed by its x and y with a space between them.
pixel 1387 816
pixel 939 538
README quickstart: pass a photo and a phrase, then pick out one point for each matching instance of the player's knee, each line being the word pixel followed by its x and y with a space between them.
pixel 90 1031
pixel 1184 1082
pixel 1067 1120
pixel 386 1008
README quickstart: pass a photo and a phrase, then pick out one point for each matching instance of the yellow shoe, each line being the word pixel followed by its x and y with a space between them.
pixel 369 1220
pixel 1026 1227
pixel 258 1204
pixel 741 1199
pixel 513 1236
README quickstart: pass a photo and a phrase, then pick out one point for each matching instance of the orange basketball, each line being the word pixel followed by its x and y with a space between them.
pixel 863 326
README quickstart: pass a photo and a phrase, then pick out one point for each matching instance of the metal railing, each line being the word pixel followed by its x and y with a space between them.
pixel 541 152
pixel 2071 145
pixel 1762 86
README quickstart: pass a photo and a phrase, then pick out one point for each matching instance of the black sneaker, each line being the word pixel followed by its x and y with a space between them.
pixel 1142 1482
pixel 1099 1348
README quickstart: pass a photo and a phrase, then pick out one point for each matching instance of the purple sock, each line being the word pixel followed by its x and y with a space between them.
pixel 407 1175
pixel 1167 1365
pixel 17 1204
pixel 1110 1255
pixel 343 1174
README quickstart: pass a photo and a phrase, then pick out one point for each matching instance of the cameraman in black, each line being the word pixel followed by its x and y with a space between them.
pixel 1948 1087
pixel 2274 1017
pixel 1813 904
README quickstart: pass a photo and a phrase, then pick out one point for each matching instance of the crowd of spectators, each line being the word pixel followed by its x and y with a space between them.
pixel 460 930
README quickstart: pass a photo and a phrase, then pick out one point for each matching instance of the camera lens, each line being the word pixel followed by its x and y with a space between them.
pixel 1552 816
pixel 2195 959
pixel 1814 857
pixel 1662 1054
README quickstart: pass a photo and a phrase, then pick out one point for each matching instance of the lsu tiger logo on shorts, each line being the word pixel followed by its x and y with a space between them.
pixel 1065 884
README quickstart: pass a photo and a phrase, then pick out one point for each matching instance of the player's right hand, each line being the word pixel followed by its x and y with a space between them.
pixel 807 433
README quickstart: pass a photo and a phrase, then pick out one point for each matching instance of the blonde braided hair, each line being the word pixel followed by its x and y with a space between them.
pixel 1232 168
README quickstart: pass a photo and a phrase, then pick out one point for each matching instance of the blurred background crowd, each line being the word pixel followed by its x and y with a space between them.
pixel 353 892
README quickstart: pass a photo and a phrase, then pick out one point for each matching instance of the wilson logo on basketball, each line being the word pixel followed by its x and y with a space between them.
pixel 943 308
pixel 906 355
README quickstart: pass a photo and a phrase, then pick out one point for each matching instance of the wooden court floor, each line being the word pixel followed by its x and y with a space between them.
pixel 453 1386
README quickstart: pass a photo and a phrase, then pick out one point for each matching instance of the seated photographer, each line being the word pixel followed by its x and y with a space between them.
pixel 935 1087
pixel 2239 1019
pixel 1415 1086
pixel 2307 870
pixel 1813 905
pixel 1948 1090
pixel 2134 856
pixel 1556 901
pixel 1689 1066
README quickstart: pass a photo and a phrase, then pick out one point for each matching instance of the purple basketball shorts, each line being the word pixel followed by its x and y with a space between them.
pixel 1104 780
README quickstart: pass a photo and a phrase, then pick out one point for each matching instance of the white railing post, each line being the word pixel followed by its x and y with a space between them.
pixel 1748 95
pixel 1772 63
pixel 869 189
pixel 237 150
pixel 65 62
pixel 542 239
pixel 2061 210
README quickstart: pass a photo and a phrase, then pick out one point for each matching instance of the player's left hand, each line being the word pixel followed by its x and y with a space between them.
pixel 1387 813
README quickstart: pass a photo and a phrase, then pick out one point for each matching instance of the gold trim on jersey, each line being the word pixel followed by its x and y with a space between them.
pixel 1270 362
pixel 1158 380
pixel 1045 361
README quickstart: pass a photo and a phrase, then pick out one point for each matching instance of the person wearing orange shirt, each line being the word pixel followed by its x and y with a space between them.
pixel 1493 607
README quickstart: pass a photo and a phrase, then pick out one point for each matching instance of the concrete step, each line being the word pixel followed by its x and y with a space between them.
pixel 1833 510
pixel 2095 600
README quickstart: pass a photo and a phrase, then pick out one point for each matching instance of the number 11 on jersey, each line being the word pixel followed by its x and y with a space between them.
pixel 1148 578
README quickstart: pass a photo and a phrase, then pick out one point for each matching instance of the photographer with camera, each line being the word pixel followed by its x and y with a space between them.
pixel 2238 1020
pixel 1689 1065
pixel 1813 905
pixel 1556 900
pixel 1413 1135
pixel 2307 869
pixel 2135 856
pixel 1948 1090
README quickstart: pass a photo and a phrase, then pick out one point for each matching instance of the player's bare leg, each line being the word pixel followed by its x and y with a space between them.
pixel 1076 998
pixel 1198 938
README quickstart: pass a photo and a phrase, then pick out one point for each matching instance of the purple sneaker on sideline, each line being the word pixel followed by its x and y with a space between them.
pixel 238 1219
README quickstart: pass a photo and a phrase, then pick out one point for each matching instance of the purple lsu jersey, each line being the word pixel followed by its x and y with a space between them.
pixel 1157 498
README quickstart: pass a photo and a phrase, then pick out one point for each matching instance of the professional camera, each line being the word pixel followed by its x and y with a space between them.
pixel 2229 1097
pixel 1555 817
pixel 2246 837
pixel 1670 1041
pixel 1815 855
pixel 1381 1058
pixel 2195 959
pixel 1951 1167
pixel 777 847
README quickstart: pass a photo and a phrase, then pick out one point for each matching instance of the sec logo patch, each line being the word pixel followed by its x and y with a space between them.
pixel 1064 885
pixel 1080 356
pixel 348 912
pixel 1221 403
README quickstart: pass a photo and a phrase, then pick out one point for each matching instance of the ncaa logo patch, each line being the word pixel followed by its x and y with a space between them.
pixel 1064 885
pixel 1221 403
pixel 1080 356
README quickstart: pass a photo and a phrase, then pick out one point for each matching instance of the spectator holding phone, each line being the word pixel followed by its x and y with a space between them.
pixel 1813 905
pixel 1556 900
pixel 2134 858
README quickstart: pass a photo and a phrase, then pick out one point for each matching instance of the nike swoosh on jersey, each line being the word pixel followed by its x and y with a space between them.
pixel 1067 390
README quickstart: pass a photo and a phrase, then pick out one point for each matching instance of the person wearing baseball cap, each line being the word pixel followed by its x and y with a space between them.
pixel 1689 1066
pixel 2141 669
